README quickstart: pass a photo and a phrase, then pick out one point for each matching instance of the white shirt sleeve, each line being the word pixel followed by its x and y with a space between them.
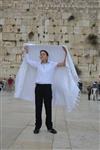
pixel 31 62
pixel 54 64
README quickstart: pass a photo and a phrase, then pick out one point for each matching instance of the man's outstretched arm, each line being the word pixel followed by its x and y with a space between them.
pixel 29 61
pixel 62 64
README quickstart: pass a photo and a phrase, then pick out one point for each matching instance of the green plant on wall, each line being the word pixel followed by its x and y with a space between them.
pixel 30 35
pixel 92 39
pixel 71 18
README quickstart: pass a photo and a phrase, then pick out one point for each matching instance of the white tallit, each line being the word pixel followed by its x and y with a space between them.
pixel 65 88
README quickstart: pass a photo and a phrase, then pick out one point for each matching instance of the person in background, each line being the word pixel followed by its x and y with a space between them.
pixel 80 85
pixel 89 92
pixel 1 85
pixel 10 83
pixel 99 87
pixel 4 83
pixel 94 91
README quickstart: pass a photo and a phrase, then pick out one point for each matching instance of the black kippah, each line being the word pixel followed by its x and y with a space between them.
pixel 45 52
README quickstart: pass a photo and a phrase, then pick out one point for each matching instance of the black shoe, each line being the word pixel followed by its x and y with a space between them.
pixel 36 131
pixel 52 131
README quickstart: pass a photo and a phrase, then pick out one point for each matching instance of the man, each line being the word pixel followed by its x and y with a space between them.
pixel 10 83
pixel 99 87
pixel 89 91
pixel 95 91
pixel 80 84
pixel 43 89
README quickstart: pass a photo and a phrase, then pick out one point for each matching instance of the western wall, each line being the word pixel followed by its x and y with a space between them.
pixel 75 23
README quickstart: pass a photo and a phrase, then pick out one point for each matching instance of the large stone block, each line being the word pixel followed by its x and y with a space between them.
pixel 98 15
pixel 71 38
pixel 23 28
pixel 2 20
pixel 51 37
pixel 9 44
pixel 0 2
pixel 9 36
pixel 83 23
pixel 49 29
pixel 66 37
pixel 0 36
pixel 42 28
pixel 18 21
pixel 99 30
pixel 10 21
pixel 85 30
pixel 18 36
pixel 77 30
pixel 70 29
pixel 58 29
pixel 66 15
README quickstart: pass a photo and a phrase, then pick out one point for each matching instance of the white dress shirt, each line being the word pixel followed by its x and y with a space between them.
pixel 45 71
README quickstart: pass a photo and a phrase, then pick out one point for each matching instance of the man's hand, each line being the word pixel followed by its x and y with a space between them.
pixel 64 49
pixel 62 64
pixel 26 49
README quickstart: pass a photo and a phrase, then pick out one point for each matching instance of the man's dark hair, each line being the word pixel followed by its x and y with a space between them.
pixel 45 52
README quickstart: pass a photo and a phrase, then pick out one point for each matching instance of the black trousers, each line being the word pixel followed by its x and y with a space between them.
pixel 43 93
pixel 89 94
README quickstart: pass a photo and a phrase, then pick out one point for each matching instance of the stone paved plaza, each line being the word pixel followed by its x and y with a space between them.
pixel 78 130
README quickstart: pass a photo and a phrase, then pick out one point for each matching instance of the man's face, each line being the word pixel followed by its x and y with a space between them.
pixel 43 56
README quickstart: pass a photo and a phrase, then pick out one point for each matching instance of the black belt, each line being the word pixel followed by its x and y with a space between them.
pixel 43 84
